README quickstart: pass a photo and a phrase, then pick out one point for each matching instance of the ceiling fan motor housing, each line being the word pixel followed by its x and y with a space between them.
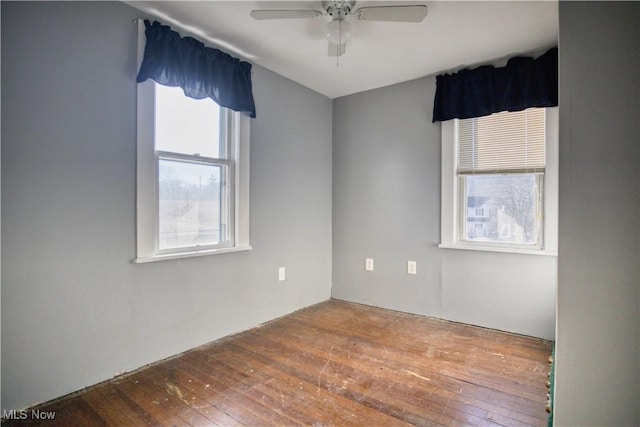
pixel 338 9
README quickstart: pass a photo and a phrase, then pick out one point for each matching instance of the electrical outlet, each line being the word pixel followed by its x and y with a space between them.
pixel 368 264
pixel 411 267
pixel 281 274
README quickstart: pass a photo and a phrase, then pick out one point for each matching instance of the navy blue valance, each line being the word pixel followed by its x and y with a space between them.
pixel 523 83
pixel 202 72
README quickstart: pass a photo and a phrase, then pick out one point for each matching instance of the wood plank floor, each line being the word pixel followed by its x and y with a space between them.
pixel 335 363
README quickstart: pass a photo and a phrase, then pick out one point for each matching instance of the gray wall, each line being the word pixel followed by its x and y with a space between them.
pixel 598 344
pixel 75 310
pixel 386 206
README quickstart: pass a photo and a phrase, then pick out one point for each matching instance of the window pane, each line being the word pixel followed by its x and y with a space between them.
pixel 189 204
pixel 502 208
pixel 185 125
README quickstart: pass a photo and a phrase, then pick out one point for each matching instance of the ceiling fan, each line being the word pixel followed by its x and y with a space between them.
pixel 338 30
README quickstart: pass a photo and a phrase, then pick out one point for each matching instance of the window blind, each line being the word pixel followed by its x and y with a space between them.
pixel 505 142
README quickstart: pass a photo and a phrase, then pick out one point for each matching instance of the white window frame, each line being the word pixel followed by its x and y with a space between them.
pixel 450 233
pixel 238 127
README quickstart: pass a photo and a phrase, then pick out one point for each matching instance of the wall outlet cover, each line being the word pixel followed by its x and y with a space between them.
pixel 368 264
pixel 411 267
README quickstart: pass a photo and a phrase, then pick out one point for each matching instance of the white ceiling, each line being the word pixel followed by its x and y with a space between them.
pixel 454 34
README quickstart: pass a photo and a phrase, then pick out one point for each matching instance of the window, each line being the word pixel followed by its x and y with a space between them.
pixel 192 176
pixel 499 182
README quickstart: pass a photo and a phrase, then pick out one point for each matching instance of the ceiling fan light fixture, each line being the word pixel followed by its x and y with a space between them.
pixel 338 31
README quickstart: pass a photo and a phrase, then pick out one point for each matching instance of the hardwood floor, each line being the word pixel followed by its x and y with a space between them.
pixel 335 363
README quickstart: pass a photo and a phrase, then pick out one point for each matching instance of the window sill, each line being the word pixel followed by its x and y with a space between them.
pixel 192 254
pixel 503 249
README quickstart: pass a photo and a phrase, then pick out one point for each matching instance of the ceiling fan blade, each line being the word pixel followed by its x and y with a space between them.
pixel 400 13
pixel 284 14
pixel 337 49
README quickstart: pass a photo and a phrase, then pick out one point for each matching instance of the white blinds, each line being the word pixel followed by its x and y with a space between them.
pixel 506 142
